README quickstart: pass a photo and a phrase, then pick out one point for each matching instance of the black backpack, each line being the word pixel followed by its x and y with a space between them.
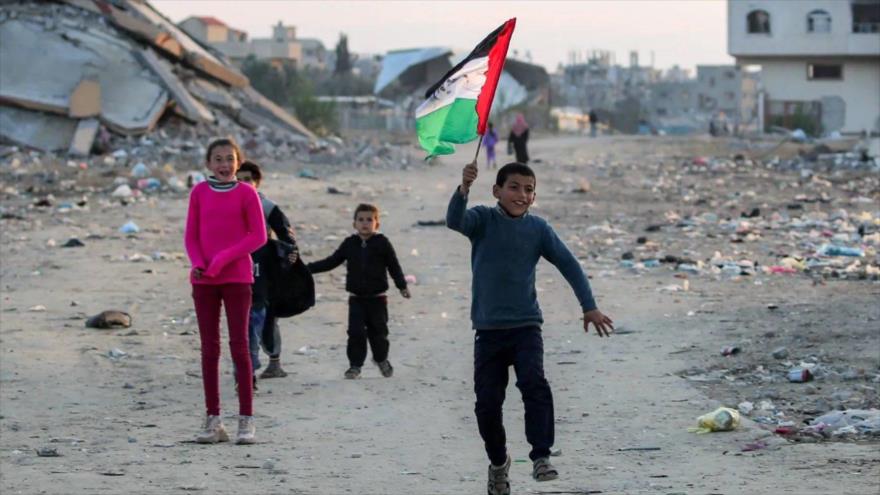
pixel 291 286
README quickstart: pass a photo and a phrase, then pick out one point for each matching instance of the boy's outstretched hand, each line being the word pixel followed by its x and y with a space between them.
pixel 604 325
pixel 468 176
pixel 405 293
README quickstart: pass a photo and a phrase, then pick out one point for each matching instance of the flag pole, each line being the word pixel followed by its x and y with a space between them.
pixel 479 143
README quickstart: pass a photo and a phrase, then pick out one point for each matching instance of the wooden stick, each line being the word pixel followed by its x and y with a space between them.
pixel 478 149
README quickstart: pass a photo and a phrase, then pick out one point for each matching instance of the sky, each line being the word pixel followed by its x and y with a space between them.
pixel 678 32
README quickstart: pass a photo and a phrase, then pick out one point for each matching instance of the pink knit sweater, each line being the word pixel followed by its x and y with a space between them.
pixel 222 229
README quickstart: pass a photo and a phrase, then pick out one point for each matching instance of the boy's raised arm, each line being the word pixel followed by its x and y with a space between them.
pixel 458 217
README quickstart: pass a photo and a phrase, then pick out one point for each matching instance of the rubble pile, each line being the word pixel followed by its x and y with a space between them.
pixel 113 98
pixel 75 70
pixel 736 218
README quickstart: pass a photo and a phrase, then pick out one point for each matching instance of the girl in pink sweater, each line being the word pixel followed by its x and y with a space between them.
pixel 224 225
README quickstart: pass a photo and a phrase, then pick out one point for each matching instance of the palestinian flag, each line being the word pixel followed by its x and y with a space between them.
pixel 457 106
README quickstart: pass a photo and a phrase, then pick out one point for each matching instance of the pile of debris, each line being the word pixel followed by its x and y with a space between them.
pixel 82 75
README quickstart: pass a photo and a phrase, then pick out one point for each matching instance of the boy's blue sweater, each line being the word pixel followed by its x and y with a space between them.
pixel 504 253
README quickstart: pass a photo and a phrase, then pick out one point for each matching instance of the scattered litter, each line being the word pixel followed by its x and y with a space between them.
pixel 306 351
pixel 116 353
pixel 109 319
pixel 73 242
pixel 721 419
pixel 800 374
pixel 48 452
pixel 129 227
pixel 431 223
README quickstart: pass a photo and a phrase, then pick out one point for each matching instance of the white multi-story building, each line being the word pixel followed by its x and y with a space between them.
pixel 819 59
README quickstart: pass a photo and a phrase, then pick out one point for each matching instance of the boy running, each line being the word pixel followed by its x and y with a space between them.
pixel 506 244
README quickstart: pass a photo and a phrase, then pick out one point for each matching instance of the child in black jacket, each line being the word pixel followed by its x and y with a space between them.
pixel 368 255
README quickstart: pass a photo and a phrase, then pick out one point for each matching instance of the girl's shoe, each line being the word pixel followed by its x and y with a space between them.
pixel 247 431
pixel 213 431
pixel 352 373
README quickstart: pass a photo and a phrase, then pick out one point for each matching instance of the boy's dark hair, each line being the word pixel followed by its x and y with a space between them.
pixel 366 207
pixel 513 168
pixel 227 141
pixel 253 168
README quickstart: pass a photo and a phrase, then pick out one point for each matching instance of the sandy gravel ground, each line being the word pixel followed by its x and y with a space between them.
pixel 123 425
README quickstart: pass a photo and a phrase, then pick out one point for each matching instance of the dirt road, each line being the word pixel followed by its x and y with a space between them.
pixel 122 425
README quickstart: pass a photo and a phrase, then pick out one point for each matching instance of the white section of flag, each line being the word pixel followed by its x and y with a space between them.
pixel 466 84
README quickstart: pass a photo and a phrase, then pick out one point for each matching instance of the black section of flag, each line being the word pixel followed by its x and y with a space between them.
pixel 482 50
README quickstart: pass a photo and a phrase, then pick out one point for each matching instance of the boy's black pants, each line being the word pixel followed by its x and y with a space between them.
pixel 367 321
pixel 494 352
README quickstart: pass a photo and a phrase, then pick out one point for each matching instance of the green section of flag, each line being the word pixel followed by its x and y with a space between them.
pixel 450 124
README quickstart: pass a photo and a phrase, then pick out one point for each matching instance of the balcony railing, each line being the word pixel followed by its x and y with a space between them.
pixel 866 27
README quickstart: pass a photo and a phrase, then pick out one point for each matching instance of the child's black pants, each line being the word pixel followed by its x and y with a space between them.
pixel 367 321
pixel 494 352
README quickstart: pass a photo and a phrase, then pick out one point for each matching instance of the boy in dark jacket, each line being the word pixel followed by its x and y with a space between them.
pixel 368 255
pixel 263 326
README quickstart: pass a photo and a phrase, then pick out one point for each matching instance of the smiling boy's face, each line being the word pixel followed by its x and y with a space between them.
pixel 223 163
pixel 516 195
pixel 366 223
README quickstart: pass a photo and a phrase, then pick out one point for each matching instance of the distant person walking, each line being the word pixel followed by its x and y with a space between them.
pixel 518 139
pixel 594 123
pixel 489 141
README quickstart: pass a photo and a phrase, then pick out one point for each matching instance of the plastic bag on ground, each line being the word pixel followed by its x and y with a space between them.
pixel 721 419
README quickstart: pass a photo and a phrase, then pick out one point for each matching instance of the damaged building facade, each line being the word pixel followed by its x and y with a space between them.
pixel 76 67
pixel 819 59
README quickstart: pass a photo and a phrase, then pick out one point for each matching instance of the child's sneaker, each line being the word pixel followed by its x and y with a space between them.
pixel 542 470
pixel 386 368
pixel 247 431
pixel 274 369
pixel 499 481
pixel 213 431
pixel 352 373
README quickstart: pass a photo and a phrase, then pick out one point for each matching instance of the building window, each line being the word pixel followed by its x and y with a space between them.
pixel 758 22
pixel 866 16
pixel 818 72
pixel 818 21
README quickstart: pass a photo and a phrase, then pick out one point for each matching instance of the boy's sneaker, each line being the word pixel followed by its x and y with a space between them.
pixel 247 431
pixel 213 431
pixel 386 368
pixel 499 481
pixel 274 369
pixel 352 373
pixel 542 470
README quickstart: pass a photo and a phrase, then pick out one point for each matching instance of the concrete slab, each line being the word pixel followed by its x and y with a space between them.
pixel 188 107
pixel 42 131
pixel 85 100
pixel 83 137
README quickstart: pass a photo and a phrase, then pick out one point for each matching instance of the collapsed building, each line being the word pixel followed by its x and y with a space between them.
pixel 74 69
